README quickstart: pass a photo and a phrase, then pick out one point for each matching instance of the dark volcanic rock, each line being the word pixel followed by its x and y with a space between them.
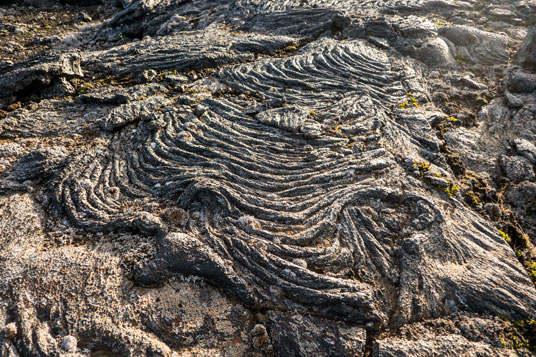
pixel 48 3
pixel 235 185
pixel 35 166
pixel 279 178
pixel 296 335
pixel 517 168
pixel 475 45
pixel 526 56
pixel 186 51
pixel 37 73
pixel 522 82
pixel 299 22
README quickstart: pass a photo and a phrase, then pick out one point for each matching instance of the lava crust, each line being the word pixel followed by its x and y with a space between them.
pixel 319 177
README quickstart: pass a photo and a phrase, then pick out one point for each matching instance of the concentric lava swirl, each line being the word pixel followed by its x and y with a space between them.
pixel 300 196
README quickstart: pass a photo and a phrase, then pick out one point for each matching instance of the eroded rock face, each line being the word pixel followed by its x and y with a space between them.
pixel 270 178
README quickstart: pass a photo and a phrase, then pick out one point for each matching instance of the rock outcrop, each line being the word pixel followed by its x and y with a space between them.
pixel 526 56
pixel 323 177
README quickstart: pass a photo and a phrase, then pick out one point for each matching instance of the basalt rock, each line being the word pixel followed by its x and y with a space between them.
pixel 269 178
pixel 526 56
pixel 35 166
pixel 35 74
pixel 475 45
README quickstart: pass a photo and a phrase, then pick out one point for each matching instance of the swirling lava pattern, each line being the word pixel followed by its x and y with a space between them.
pixel 281 207
pixel 345 5
pixel 327 73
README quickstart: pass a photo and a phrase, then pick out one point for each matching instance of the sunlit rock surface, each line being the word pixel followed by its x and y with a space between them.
pixel 269 178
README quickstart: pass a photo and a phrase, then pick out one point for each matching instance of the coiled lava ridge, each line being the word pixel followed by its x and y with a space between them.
pixel 284 203
pixel 259 178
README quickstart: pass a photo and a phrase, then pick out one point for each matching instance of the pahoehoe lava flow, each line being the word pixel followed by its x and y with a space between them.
pixel 321 177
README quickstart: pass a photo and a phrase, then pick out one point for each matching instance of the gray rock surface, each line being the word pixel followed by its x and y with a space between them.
pixel 35 166
pixel 476 46
pixel 300 336
pixel 37 73
pixel 522 82
pixel 186 51
pixel 269 178
pixel 437 346
pixel 517 168
pixel 526 56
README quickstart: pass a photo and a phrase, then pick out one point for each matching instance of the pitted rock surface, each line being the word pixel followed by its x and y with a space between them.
pixel 277 178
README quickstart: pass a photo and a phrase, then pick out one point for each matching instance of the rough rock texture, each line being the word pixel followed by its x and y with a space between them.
pixel 270 178
pixel 37 73
pixel 526 56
